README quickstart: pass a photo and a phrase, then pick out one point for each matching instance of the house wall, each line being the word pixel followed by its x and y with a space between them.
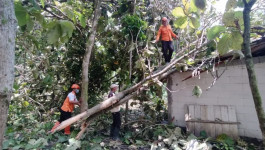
pixel 232 88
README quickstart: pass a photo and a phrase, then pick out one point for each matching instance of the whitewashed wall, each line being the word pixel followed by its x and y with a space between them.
pixel 232 88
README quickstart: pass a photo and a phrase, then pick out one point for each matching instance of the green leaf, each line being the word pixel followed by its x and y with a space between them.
pixel 16 86
pixel 228 42
pixel 39 17
pixel 197 91
pixel 215 32
pixel 187 8
pixel 67 28
pixel 96 140
pixel 223 46
pixel 193 7
pixel 30 24
pixel 69 13
pixel 42 3
pixel 184 2
pixel 236 40
pixel 201 4
pixel 194 23
pixel 21 13
pixel 82 19
pixel 228 19
pixel 238 15
pixel 230 4
pixel 178 12
pixel 25 103
pixel 181 22
pixel 54 34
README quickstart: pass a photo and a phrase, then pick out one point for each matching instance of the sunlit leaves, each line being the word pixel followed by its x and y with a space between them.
pixel 178 12
pixel 185 16
pixel 82 19
pixel 238 16
pixel 181 22
pixel 70 14
pixel 42 3
pixel 230 41
pixel 194 23
pixel 230 18
pixel 224 44
pixel 215 32
pixel 193 7
pixel 25 103
pixel 230 4
pixel 237 40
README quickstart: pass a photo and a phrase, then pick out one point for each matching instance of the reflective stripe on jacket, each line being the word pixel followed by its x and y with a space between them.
pixel 166 33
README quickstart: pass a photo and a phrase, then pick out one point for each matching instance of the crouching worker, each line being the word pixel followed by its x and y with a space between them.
pixel 67 108
pixel 116 116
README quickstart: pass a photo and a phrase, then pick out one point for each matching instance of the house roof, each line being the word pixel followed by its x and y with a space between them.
pixel 257 48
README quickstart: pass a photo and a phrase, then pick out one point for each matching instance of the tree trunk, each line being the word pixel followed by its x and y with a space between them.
pixel 250 67
pixel 86 59
pixel 8 25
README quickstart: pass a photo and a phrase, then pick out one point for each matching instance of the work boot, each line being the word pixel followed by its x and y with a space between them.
pixel 67 130
pixel 54 127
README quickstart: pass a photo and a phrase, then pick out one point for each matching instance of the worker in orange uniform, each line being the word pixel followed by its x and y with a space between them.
pixel 166 34
pixel 67 108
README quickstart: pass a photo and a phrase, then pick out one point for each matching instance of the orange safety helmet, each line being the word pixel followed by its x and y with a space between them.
pixel 164 19
pixel 75 86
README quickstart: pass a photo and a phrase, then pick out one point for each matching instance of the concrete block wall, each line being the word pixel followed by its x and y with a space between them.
pixel 232 88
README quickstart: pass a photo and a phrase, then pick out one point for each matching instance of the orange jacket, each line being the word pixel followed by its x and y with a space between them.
pixel 67 106
pixel 166 33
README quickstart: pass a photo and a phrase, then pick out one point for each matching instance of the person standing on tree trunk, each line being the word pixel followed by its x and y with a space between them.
pixel 166 34
pixel 116 116
pixel 67 108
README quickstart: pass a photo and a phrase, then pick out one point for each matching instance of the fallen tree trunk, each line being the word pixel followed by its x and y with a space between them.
pixel 127 94
pixel 122 101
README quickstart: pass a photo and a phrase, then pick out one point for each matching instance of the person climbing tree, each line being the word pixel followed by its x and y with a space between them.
pixel 166 34
pixel 67 108
pixel 116 116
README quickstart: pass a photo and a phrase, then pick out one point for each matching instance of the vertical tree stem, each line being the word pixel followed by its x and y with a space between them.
pixel 250 68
